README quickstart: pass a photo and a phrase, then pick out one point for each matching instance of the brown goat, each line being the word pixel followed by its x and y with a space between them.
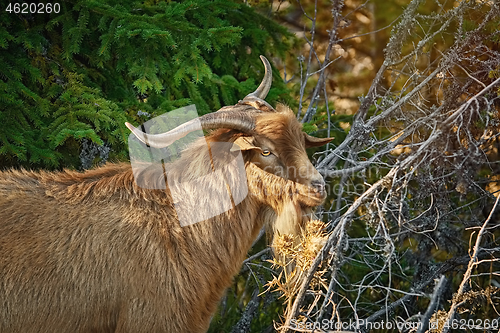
pixel 94 252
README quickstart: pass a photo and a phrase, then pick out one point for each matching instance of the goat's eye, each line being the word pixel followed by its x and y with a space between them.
pixel 266 153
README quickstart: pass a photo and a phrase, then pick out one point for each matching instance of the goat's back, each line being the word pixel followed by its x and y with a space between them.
pixel 90 253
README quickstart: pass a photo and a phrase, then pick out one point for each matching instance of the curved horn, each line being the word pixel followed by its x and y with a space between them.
pixel 238 120
pixel 265 85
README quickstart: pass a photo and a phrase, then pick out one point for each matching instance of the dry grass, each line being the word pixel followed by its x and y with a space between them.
pixel 293 258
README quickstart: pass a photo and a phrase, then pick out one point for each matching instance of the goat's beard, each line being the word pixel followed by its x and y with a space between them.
pixel 290 221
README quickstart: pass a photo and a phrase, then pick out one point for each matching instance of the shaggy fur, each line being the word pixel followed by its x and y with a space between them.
pixel 93 252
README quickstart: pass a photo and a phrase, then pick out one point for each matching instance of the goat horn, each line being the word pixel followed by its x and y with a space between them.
pixel 238 120
pixel 265 85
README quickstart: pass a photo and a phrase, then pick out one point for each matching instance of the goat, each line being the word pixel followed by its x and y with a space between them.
pixel 94 252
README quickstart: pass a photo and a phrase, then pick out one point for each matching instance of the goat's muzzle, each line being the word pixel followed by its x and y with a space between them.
pixel 319 187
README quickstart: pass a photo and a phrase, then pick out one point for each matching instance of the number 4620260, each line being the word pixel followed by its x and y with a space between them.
pixel 33 8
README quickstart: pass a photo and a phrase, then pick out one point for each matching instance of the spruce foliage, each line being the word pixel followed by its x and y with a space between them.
pixel 78 75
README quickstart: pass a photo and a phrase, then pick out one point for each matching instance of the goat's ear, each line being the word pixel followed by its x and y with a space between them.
pixel 312 141
pixel 246 143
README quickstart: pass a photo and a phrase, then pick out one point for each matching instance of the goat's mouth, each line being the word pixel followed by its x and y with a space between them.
pixel 321 193
pixel 316 196
pixel 319 187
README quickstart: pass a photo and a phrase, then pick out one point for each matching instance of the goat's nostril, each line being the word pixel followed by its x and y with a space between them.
pixel 319 185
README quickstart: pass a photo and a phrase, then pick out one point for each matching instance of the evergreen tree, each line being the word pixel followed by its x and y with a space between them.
pixel 76 75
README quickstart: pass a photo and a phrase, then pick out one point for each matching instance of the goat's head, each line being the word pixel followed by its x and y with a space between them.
pixel 270 138
pixel 279 147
